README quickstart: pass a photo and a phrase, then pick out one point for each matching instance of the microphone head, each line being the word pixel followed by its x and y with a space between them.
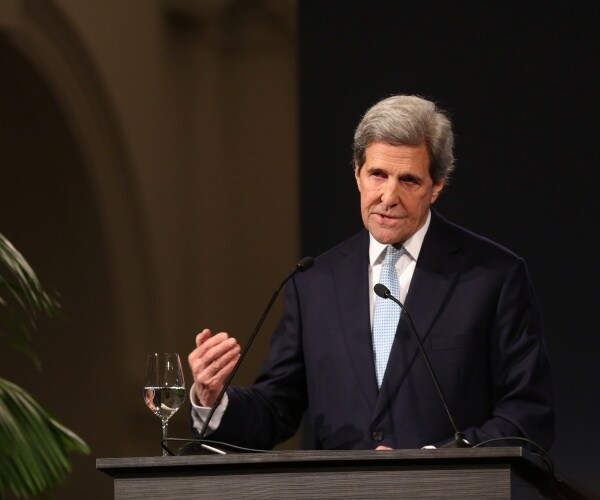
pixel 305 264
pixel 381 290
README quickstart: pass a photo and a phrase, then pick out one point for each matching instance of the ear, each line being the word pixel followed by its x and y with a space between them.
pixel 437 189
pixel 357 176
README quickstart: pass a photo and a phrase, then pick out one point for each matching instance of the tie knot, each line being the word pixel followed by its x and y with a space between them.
pixel 393 254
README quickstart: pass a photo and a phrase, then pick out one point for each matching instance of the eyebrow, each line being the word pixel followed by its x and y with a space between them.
pixel 411 177
pixel 404 177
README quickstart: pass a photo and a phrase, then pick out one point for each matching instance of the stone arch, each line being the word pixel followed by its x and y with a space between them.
pixel 45 37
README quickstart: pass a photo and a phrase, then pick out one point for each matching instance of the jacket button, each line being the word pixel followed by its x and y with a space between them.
pixel 378 436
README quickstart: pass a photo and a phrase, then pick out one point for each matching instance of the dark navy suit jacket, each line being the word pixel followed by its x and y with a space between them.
pixel 474 308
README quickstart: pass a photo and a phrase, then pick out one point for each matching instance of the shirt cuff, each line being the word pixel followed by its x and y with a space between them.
pixel 199 413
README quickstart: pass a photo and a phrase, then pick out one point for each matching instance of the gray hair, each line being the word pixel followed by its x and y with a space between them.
pixel 405 120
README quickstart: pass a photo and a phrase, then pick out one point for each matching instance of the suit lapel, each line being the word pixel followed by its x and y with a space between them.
pixel 431 285
pixel 351 275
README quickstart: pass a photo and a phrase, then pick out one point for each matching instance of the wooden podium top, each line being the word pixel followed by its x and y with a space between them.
pixel 510 472
pixel 321 458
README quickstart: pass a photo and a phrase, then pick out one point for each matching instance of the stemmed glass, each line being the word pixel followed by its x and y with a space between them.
pixel 164 387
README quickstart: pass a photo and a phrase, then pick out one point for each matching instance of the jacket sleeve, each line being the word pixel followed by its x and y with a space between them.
pixel 520 379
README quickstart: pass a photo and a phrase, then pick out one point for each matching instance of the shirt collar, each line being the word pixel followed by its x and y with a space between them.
pixel 412 245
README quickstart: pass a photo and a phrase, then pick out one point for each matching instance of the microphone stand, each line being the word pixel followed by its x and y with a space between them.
pixel 460 440
pixel 304 264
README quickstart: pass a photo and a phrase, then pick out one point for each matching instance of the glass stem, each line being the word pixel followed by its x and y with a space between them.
pixel 165 424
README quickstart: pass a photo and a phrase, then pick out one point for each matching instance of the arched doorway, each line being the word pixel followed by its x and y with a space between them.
pixel 67 204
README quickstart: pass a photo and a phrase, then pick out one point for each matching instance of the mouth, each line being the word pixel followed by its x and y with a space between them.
pixel 380 217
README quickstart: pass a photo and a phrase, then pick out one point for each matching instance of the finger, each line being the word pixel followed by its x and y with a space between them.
pixel 205 342
pixel 224 372
pixel 211 352
pixel 194 355
pixel 219 367
pixel 228 368
pixel 209 369
pixel 225 363
pixel 202 337
pixel 210 341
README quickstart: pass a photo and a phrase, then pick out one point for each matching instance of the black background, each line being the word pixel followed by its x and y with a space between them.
pixel 520 81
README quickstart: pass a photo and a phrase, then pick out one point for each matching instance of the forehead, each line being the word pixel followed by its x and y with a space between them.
pixel 383 155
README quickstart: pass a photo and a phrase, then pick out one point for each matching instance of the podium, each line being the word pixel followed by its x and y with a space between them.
pixel 480 473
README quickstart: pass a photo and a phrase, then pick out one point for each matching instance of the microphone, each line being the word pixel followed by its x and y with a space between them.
pixel 303 265
pixel 459 438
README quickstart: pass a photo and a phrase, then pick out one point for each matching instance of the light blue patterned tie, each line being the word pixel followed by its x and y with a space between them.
pixel 387 313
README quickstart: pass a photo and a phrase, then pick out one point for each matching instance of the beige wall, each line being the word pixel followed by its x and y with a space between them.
pixel 163 201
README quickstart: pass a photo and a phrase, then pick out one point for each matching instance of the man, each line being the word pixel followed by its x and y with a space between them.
pixel 365 388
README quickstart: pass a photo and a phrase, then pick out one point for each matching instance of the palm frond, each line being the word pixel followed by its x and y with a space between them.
pixel 22 298
pixel 34 447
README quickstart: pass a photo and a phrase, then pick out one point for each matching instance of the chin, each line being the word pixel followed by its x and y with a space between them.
pixel 388 234
pixel 386 238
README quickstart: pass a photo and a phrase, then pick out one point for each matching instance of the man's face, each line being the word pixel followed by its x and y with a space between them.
pixel 396 191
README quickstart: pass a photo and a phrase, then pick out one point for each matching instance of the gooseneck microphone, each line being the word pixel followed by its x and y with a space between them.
pixel 459 438
pixel 303 265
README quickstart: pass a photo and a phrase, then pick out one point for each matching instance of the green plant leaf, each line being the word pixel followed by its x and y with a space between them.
pixel 22 298
pixel 34 447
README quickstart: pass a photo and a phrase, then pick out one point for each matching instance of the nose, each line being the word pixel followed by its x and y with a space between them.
pixel 390 193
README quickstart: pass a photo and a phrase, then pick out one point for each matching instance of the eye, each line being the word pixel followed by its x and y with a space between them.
pixel 377 173
pixel 410 180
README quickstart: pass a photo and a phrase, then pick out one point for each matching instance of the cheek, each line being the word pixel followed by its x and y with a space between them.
pixel 368 203
pixel 419 203
pixel 370 195
pixel 364 199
